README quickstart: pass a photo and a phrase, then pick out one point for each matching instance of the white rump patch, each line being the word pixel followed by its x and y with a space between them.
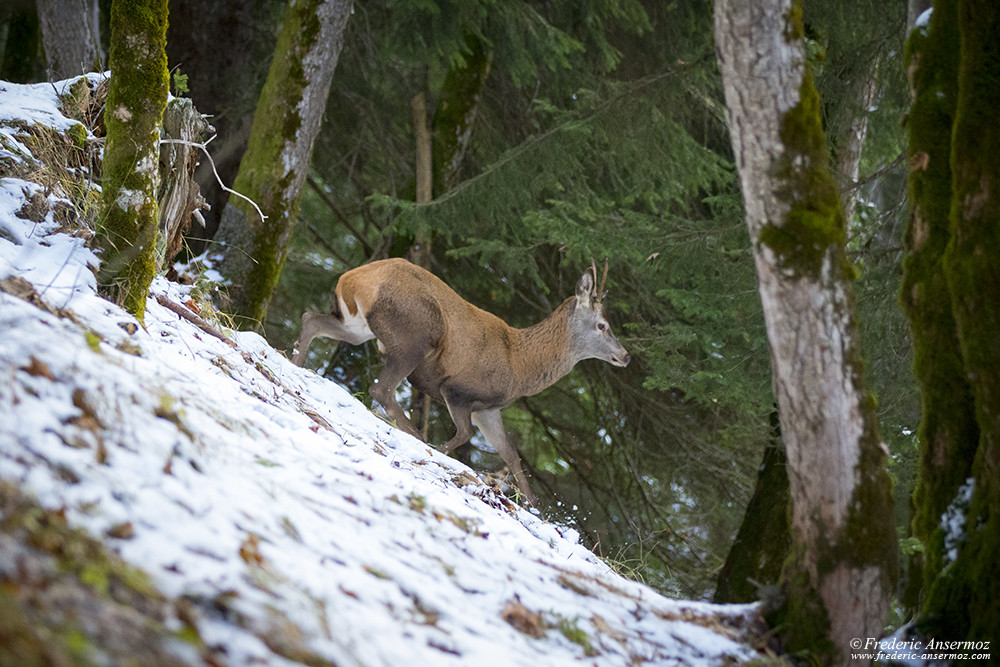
pixel 355 325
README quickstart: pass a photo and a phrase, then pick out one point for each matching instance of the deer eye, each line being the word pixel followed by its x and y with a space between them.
pixel 601 326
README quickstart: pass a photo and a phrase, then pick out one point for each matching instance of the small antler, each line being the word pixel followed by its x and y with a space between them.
pixel 598 291
pixel 604 279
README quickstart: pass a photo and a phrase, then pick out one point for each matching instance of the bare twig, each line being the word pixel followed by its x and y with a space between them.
pixel 204 148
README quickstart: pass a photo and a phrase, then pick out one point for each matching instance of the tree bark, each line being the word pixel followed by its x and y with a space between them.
pixel 457 109
pixel 134 109
pixel 950 293
pixel 276 161
pixel 753 566
pixel 841 574
pixel 420 251
pixel 180 198
pixel 226 67
pixel 851 141
pixel 440 150
pixel 71 36
pixel 22 61
pixel 948 432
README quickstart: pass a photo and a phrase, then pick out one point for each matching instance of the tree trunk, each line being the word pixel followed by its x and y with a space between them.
pixel 276 161
pixel 71 36
pixel 133 112
pixel 841 574
pixel 439 154
pixel 180 197
pixel 22 61
pixel 455 117
pixel 753 566
pixel 851 139
pixel 226 66
pixel 420 251
pixel 950 293
pixel 948 432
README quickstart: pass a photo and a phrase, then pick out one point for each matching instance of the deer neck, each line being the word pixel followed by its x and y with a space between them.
pixel 542 353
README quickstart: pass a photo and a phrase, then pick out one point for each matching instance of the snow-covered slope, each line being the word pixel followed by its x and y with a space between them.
pixel 297 526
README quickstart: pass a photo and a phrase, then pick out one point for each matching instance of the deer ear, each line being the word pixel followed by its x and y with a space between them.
pixel 585 289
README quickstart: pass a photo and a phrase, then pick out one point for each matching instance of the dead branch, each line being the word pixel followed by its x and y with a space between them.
pixel 193 319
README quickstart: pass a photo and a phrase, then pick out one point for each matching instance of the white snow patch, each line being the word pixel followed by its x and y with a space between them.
pixel 953 520
pixel 130 199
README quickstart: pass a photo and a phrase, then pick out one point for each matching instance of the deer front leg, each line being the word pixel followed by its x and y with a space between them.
pixel 491 425
pixel 462 417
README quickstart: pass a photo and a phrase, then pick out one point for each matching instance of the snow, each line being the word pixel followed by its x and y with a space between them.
pixel 953 519
pixel 924 19
pixel 273 499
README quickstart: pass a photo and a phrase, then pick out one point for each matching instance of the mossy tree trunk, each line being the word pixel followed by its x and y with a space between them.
pixel 273 169
pixel 442 143
pixel 22 60
pixel 457 109
pixel 841 572
pixel 753 565
pixel 952 272
pixel 948 432
pixel 133 113
pixel 423 171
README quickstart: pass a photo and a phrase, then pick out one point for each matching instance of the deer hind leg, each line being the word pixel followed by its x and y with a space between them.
pixel 312 326
pixel 350 329
pixel 491 425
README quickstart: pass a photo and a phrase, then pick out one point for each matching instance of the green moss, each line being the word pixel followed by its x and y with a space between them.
pixel 814 226
pixel 457 102
pixel 22 56
pixel 801 621
pixel 762 543
pixel 948 432
pixel 93 340
pixel 136 99
pixel 794 27
pixel 961 594
pixel 571 631
pixel 74 574
pixel 78 134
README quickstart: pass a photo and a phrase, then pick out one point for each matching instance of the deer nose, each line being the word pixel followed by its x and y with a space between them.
pixel 625 359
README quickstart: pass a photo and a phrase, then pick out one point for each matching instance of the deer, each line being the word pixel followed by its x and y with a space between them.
pixel 457 353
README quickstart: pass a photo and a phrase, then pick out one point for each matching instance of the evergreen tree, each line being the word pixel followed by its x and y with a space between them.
pixel 599 132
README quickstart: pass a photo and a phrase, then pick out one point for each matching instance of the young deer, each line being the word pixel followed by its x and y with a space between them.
pixel 460 354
